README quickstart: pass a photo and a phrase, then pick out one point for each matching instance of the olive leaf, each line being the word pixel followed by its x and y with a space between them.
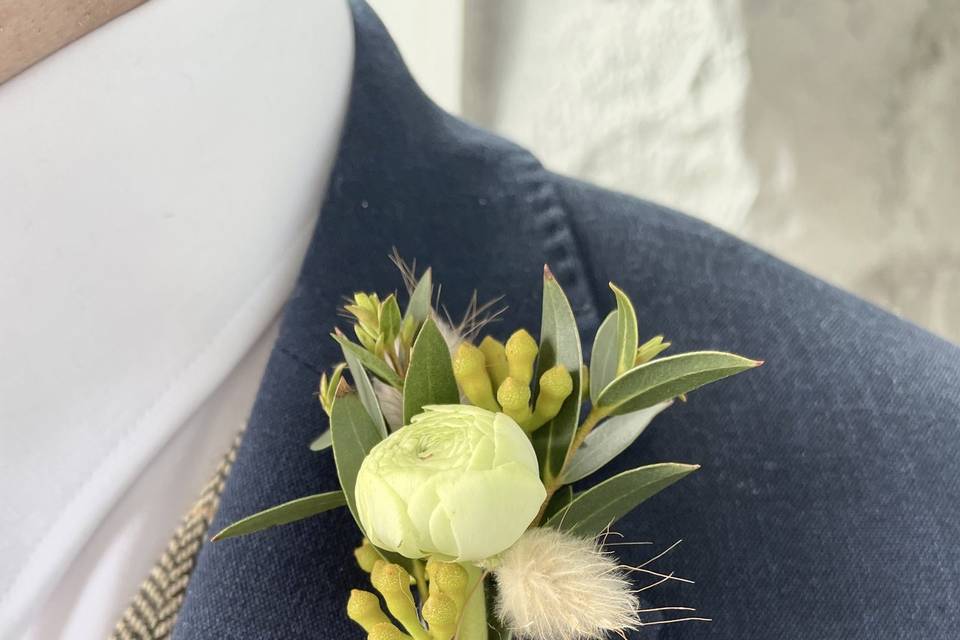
pixel 365 390
pixel 430 374
pixel 603 357
pixel 354 435
pixel 323 441
pixel 376 366
pixel 597 508
pixel 626 331
pixel 609 440
pixel 559 344
pixel 419 305
pixel 666 378
pixel 283 514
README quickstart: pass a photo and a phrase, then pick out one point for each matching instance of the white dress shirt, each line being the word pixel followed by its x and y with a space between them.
pixel 159 182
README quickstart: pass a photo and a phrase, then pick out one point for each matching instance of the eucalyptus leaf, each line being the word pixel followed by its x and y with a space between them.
pixel 626 331
pixel 600 506
pixel 365 390
pixel 609 440
pixel 354 435
pixel 666 378
pixel 323 441
pixel 420 305
pixel 430 374
pixel 559 344
pixel 603 357
pixel 376 366
pixel 283 513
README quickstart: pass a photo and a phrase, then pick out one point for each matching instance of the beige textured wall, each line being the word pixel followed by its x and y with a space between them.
pixel 826 132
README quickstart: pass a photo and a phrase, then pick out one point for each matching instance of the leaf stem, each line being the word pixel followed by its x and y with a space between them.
pixel 552 484
pixel 419 575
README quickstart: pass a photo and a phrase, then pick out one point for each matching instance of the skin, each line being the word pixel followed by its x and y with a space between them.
pixel 30 30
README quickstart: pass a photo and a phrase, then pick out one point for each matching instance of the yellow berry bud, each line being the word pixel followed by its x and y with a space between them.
pixel 393 583
pixel 363 608
pixel 470 370
pixel 366 555
pixel 555 385
pixel 442 615
pixel 448 578
pixel 386 631
pixel 521 351
pixel 496 358
pixel 514 397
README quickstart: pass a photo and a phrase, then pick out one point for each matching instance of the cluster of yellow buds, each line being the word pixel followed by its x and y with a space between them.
pixel 377 321
pixel 441 610
pixel 508 369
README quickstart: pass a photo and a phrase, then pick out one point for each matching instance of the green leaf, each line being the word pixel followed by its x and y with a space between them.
pixel 559 344
pixel 376 366
pixel 283 513
pixel 365 390
pixel 609 440
pixel 669 377
pixel 430 374
pixel 626 331
pixel 420 305
pixel 603 358
pixel 558 501
pixel 598 507
pixel 323 441
pixel 389 319
pixel 354 435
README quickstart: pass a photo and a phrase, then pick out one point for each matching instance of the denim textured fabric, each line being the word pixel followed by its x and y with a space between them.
pixel 828 505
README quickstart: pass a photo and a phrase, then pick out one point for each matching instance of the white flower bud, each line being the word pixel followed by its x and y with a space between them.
pixel 459 481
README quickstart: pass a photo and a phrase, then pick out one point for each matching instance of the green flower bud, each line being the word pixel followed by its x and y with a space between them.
pixel 366 556
pixel 386 631
pixel 470 370
pixel 442 615
pixel 496 356
pixel 363 608
pixel 436 485
pixel 366 337
pixel 650 350
pixel 555 385
pixel 393 583
pixel 521 351
pixel 328 387
pixel 514 396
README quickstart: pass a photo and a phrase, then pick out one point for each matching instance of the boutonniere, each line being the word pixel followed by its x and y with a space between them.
pixel 456 456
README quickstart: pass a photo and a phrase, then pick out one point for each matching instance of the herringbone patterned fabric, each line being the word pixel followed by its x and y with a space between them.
pixel 151 613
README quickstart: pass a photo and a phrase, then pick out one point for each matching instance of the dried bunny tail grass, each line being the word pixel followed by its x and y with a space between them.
pixel 556 586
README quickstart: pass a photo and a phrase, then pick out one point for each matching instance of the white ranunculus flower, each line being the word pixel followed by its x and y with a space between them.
pixel 459 481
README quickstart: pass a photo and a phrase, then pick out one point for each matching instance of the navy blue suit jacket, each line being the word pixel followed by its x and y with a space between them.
pixel 828 505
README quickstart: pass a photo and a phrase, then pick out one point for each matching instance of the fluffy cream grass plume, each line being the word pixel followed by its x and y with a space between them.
pixel 555 586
